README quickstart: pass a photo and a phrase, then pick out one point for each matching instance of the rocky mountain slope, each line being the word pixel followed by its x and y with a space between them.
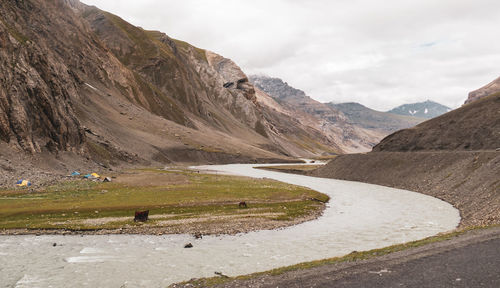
pixel 427 109
pixel 352 126
pixel 78 81
pixel 454 157
pixel 330 121
pixel 491 88
pixel 367 118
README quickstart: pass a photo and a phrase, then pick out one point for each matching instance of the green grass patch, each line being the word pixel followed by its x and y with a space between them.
pixel 177 194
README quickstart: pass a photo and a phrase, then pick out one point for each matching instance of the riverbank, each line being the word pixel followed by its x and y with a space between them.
pixel 179 201
pixel 446 260
pixel 467 179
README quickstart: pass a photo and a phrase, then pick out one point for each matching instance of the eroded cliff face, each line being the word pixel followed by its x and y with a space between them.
pixel 37 84
pixel 184 76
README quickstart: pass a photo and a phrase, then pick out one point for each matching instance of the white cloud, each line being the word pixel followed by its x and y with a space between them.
pixel 379 53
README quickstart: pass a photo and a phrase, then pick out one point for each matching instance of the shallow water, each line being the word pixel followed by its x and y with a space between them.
pixel 359 217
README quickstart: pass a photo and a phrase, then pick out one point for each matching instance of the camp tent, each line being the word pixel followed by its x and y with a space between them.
pixel 92 176
pixel 23 183
pixel 75 173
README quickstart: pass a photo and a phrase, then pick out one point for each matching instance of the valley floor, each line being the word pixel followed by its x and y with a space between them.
pixel 466 179
pixel 179 201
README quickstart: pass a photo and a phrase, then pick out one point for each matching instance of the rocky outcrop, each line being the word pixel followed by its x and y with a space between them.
pixel 276 87
pixel 491 88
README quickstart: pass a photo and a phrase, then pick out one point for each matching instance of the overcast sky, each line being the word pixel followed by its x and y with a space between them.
pixel 379 53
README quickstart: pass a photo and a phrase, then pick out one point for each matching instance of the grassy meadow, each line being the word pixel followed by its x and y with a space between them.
pixel 79 204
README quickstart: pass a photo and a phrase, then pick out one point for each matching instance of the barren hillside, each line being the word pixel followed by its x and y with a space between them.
pixel 87 87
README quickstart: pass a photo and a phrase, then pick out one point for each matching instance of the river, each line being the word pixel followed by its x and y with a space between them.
pixel 359 217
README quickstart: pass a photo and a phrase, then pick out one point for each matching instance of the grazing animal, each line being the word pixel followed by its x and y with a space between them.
pixel 141 216
pixel 242 204
pixel 198 235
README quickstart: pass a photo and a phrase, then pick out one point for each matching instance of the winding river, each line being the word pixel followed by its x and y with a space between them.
pixel 359 217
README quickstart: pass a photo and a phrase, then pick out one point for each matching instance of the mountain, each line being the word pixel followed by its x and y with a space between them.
pixel 490 88
pixel 367 118
pixel 472 127
pixel 86 86
pixel 454 157
pixel 427 109
pixel 352 126
pixel 319 116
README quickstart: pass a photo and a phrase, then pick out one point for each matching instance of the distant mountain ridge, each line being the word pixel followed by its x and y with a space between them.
pixel 330 121
pixel 376 120
pixel 357 127
pixel 428 109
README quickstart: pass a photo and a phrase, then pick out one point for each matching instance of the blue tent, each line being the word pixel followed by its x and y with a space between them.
pixel 75 173
pixel 87 176
pixel 23 183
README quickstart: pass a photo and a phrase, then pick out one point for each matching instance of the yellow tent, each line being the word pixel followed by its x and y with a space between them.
pixel 95 175
pixel 23 183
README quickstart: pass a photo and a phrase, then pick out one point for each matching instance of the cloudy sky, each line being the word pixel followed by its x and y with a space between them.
pixel 379 53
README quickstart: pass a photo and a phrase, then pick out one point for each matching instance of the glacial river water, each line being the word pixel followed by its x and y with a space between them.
pixel 359 217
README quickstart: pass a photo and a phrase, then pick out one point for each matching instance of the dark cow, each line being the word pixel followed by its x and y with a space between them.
pixel 242 204
pixel 141 216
